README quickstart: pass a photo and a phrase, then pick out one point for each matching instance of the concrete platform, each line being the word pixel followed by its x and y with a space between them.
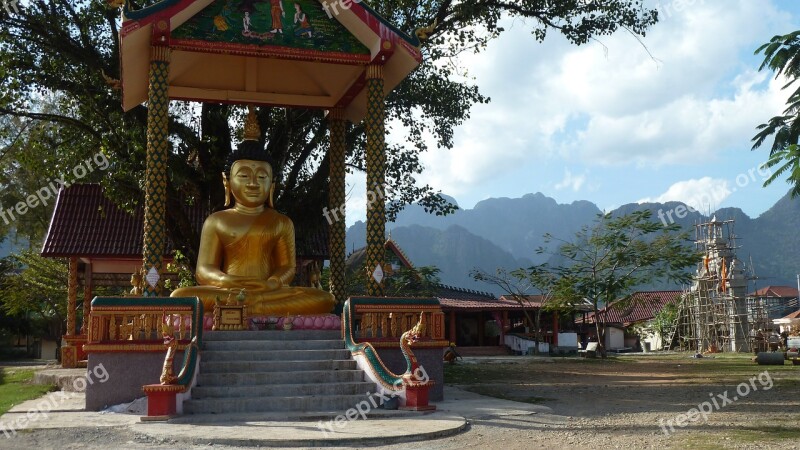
pixel 64 410
pixel 63 378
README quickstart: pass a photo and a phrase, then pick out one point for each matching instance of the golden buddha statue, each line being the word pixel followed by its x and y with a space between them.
pixel 251 246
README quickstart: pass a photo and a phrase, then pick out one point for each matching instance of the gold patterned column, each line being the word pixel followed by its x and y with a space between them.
pixel 69 352
pixel 72 296
pixel 155 230
pixel 336 204
pixel 87 297
pixel 376 168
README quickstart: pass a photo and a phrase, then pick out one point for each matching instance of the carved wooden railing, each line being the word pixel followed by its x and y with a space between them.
pixel 133 324
pixel 381 322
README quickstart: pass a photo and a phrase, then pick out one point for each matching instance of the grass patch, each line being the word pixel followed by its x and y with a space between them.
pixel 16 387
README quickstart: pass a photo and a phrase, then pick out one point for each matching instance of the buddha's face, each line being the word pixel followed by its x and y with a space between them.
pixel 250 182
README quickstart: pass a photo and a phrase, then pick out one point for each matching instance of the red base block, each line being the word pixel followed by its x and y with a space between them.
pixel 69 357
pixel 161 400
pixel 417 397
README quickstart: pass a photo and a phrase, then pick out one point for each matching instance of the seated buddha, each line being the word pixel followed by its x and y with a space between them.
pixel 250 246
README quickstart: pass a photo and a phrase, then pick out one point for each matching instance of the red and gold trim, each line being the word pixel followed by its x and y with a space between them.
pixel 129 348
pixel 271 51
pixel 164 388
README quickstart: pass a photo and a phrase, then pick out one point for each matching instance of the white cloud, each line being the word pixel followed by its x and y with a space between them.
pixel 611 104
pixel 571 181
pixel 704 194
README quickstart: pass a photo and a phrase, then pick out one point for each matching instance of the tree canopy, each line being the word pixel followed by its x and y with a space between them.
pixel 60 104
pixel 604 262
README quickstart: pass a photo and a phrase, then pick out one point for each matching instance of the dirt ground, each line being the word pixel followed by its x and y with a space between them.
pixel 631 401
pixel 627 402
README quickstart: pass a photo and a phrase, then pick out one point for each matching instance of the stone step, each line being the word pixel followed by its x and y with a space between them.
pixel 275 355
pixel 272 335
pixel 238 405
pixel 273 345
pixel 306 376
pixel 282 390
pixel 274 366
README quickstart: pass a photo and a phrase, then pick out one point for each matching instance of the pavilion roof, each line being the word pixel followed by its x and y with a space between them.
pixel 87 224
pixel 215 59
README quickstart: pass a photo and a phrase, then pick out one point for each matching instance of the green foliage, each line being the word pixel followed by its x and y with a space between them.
pixel 59 103
pixel 35 288
pixel 16 387
pixel 604 262
pixel 402 282
pixel 782 55
pixel 182 268
pixel 663 321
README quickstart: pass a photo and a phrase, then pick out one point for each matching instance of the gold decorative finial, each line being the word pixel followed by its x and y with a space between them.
pixel 424 32
pixel 252 132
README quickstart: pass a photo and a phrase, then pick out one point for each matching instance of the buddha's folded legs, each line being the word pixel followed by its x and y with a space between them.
pixel 288 300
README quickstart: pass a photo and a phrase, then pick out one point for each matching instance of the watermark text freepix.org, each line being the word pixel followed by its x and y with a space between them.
pixel 364 407
pixel 717 402
pixel 332 7
pixel 50 191
pixel 333 215
pixel 53 400
pixel 713 196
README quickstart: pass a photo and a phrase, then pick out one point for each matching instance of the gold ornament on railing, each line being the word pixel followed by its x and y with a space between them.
pixel 168 333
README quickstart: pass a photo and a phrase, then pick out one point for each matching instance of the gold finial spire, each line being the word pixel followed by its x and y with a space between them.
pixel 252 132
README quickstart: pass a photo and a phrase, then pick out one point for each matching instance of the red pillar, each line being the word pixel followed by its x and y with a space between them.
pixel 503 322
pixel 453 327
pixel 555 328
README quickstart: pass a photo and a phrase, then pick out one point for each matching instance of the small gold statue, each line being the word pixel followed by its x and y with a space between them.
pixel 137 283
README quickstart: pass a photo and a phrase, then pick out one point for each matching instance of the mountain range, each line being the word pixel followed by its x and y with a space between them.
pixel 505 232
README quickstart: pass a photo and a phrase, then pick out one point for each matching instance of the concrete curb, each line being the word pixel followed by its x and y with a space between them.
pixel 372 432
pixel 63 378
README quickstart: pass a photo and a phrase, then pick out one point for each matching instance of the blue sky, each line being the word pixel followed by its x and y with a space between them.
pixel 608 123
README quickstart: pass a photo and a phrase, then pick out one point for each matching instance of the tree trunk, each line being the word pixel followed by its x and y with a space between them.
pixel 601 347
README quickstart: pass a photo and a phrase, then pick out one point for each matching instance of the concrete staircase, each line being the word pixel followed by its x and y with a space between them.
pixel 276 371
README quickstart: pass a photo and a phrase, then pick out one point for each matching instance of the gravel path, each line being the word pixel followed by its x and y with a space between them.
pixel 593 405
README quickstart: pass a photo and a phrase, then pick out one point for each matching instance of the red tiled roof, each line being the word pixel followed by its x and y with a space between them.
pixel 794 315
pixel 776 292
pixel 457 299
pixel 643 305
pixel 451 304
pixel 457 293
pixel 87 224
pixel 535 301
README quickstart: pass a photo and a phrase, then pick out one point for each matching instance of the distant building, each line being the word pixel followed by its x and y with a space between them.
pixel 776 301
pixel 480 319
pixel 628 323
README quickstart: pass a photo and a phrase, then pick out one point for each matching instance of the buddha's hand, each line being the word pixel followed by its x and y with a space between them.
pixel 258 284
